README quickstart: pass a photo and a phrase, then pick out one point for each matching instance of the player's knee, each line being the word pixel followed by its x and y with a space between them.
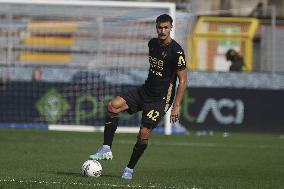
pixel 112 108
pixel 142 141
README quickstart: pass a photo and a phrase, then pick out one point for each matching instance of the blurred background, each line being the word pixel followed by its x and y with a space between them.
pixel 62 61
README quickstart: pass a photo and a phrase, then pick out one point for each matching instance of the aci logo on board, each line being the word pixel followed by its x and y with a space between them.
pixel 215 107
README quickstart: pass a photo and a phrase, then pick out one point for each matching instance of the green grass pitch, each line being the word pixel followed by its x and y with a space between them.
pixel 50 159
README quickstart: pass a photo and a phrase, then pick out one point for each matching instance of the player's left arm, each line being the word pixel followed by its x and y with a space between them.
pixel 182 76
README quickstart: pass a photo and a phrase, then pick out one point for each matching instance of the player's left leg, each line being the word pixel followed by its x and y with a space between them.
pixel 138 150
pixel 152 113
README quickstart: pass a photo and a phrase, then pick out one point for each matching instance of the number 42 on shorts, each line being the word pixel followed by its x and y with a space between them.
pixel 152 114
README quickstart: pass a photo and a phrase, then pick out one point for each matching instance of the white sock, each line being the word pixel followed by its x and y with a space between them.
pixel 128 169
pixel 106 146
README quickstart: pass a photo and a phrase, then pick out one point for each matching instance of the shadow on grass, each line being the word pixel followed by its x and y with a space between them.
pixel 110 176
pixel 80 175
pixel 67 173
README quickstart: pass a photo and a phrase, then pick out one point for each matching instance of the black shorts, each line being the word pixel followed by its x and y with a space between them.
pixel 153 110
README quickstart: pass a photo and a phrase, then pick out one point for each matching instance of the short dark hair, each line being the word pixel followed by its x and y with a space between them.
pixel 164 18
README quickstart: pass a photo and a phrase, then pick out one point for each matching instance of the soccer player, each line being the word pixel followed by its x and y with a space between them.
pixel 153 98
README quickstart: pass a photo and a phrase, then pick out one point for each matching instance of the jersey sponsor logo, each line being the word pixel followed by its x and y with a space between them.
pixel 156 66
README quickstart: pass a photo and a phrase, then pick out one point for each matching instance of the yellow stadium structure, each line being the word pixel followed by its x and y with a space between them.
pixel 213 36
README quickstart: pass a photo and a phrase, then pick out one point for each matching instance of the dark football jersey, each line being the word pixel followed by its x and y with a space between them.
pixel 165 61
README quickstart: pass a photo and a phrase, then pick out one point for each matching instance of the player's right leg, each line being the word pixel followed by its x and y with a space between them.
pixel 115 106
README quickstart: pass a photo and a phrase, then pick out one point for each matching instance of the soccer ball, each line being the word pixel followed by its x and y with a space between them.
pixel 92 168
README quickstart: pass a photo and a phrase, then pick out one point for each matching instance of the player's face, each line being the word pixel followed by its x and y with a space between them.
pixel 164 30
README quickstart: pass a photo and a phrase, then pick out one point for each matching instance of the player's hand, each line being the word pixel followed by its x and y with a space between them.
pixel 175 114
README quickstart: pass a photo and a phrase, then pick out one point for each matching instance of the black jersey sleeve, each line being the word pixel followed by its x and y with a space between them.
pixel 180 59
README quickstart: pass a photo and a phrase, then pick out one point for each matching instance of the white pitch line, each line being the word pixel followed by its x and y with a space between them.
pixel 84 184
